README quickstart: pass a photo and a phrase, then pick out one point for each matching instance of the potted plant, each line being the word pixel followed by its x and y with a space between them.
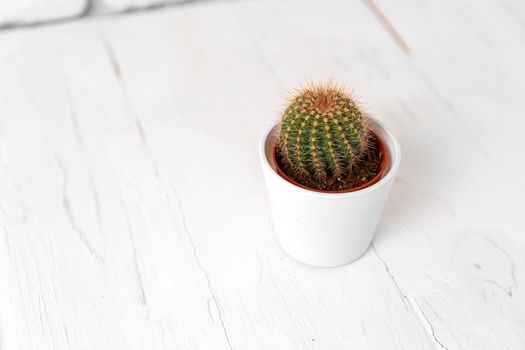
pixel 328 168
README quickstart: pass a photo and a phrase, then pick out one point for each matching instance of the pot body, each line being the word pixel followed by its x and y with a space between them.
pixel 323 228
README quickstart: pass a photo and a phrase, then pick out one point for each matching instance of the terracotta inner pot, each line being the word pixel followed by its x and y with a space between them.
pixel 384 162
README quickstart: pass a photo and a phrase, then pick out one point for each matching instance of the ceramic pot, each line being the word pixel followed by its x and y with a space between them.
pixel 327 228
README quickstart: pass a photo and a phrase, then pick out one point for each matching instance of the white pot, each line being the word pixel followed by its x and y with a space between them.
pixel 326 229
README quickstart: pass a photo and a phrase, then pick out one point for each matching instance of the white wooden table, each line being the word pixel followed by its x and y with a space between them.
pixel 133 211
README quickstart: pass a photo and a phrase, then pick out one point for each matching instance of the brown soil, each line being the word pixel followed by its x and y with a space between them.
pixel 362 172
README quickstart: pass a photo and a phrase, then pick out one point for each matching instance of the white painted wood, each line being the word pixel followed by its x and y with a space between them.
pixel 112 6
pixel 133 213
pixel 16 12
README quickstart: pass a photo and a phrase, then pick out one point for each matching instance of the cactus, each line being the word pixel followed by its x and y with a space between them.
pixel 322 135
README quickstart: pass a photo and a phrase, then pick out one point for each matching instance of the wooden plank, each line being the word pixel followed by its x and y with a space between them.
pixel 118 6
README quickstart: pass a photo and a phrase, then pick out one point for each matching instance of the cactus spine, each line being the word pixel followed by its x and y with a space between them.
pixel 322 134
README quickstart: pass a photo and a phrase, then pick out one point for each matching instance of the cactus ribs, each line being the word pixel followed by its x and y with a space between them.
pixel 325 141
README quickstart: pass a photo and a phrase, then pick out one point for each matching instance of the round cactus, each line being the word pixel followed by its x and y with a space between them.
pixel 322 135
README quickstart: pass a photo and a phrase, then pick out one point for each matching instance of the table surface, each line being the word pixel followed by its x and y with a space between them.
pixel 133 213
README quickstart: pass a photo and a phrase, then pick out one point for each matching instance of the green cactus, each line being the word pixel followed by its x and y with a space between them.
pixel 322 135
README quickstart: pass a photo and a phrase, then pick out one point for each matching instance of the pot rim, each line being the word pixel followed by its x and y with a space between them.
pixel 390 144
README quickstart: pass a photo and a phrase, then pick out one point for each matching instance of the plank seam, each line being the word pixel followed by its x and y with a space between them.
pixel 388 26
